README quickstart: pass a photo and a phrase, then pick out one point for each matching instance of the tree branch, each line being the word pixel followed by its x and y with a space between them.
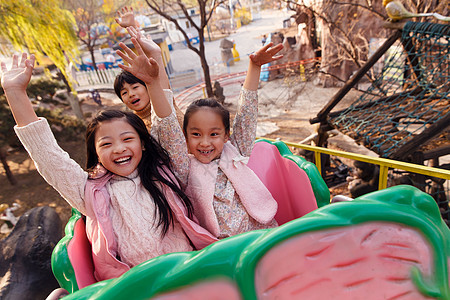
pixel 175 22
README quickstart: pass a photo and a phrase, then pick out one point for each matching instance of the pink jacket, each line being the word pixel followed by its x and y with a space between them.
pixel 100 232
pixel 255 197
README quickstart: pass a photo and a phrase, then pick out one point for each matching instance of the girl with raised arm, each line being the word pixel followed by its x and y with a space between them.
pixel 134 207
pixel 228 198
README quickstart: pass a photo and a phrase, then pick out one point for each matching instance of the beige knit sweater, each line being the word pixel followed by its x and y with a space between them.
pixel 132 209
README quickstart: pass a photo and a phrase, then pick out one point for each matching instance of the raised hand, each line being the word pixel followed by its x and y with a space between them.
pixel 266 54
pixel 140 65
pixel 14 83
pixel 19 75
pixel 151 49
pixel 125 17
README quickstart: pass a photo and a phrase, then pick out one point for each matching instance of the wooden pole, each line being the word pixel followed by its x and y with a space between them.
pixel 357 76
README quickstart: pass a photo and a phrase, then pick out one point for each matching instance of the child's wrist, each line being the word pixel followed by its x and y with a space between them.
pixel 157 55
pixel 15 90
pixel 154 83
pixel 254 65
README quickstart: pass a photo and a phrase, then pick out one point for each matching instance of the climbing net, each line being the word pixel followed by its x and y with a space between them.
pixel 408 99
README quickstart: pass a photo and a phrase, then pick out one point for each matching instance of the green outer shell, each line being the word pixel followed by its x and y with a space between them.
pixel 235 259
pixel 61 266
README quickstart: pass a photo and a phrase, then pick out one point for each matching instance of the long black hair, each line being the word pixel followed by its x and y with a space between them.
pixel 122 78
pixel 154 163
pixel 214 105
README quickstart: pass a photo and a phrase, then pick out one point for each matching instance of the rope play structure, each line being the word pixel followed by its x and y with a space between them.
pixel 405 113
pixel 406 108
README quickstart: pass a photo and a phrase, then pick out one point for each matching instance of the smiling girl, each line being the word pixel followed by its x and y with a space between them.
pixel 228 198
pixel 134 207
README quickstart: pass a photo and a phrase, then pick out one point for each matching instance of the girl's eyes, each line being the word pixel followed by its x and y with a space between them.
pixel 104 144
pixel 198 134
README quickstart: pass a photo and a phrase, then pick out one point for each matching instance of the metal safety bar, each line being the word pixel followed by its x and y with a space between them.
pixel 384 163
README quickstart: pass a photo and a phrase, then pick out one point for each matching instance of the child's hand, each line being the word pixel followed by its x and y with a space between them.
pixel 266 54
pixel 19 75
pixel 126 17
pixel 144 68
pixel 151 49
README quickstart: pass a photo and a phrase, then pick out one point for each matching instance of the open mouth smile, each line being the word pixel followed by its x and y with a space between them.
pixel 205 152
pixel 122 160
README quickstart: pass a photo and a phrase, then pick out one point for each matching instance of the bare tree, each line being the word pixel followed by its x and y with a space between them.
pixel 169 9
pixel 88 14
pixel 346 29
pixel 9 175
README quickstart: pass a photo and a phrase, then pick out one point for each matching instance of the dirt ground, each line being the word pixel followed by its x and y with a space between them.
pixel 291 118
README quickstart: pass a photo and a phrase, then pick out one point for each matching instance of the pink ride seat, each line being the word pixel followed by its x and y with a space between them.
pixel 288 183
pixel 72 262
pixel 80 254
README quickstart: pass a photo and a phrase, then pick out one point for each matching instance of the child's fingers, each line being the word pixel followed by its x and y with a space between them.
pixel 277 57
pixel 125 68
pixel 265 47
pixel 15 61
pixel 274 50
pixel 129 52
pixel 124 56
pixel 136 33
pixel 23 58
pixel 3 67
pixel 153 62
pixel 277 47
pixel 137 46
pixel 29 63
pixel 131 32
pixel 155 67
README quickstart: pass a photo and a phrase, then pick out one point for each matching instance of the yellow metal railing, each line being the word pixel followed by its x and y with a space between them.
pixel 384 163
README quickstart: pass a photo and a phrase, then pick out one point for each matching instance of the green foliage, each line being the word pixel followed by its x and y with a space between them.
pixel 64 127
pixel 43 87
pixel 7 135
pixel 42 27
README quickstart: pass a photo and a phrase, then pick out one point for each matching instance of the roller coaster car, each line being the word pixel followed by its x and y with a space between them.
pixel 389 244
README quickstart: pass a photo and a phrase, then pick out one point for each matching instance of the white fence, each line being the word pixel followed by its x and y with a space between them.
pixel 86 79
pixel 105 77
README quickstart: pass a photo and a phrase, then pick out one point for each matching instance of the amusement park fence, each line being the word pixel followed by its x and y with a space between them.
pixel 91 78
pixel 190 81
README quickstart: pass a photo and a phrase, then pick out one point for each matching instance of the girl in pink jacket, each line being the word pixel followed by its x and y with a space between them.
pixel 228 198
pixel 134 207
